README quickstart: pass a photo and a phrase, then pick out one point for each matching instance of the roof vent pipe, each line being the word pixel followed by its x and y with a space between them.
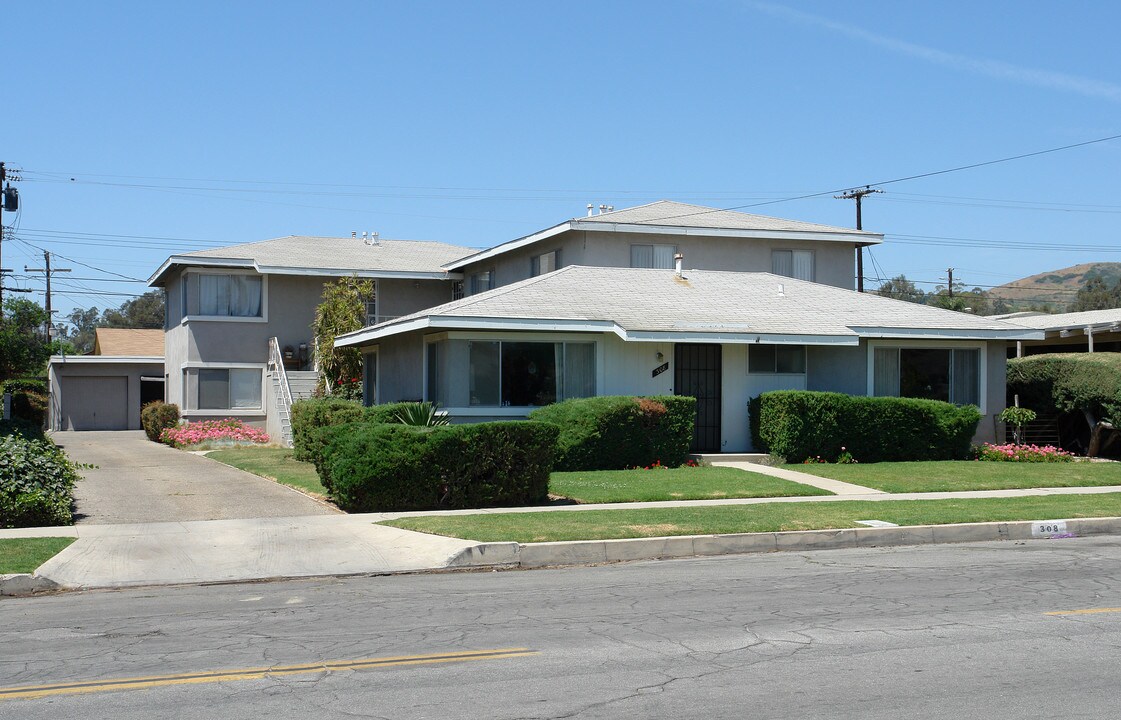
pixel 590 208
pixel 354 233
pixel 781 293
pixel 677 260
pixel 602 209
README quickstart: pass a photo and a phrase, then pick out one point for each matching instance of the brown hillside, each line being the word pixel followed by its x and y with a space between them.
pixel 1056 287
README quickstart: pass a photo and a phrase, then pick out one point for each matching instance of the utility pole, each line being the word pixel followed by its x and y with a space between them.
pixel 9 202
pixel 47 271
pixel 858 195
pixel 950 281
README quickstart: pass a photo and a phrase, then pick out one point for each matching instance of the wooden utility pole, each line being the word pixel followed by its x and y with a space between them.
pixel 47 271
pixel 858 195
pixel 950 282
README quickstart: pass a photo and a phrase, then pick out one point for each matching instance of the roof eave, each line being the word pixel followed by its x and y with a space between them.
pixel 921 333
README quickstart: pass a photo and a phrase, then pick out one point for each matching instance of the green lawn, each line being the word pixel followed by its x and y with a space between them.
pixel 23 555
pixel 897 477
pixel 275 464
pixel 764 517
pixel 685 483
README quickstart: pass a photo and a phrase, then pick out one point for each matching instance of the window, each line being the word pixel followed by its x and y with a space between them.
pixel 370 379
pixel 372 307
pixel 951 375
pixel 545 263
pixel 229 295
pixel 508 373
pixel 482 281
pixel 775 359
pixel 229 389
pixel 653 256
pixel 798 264
pixel 457 289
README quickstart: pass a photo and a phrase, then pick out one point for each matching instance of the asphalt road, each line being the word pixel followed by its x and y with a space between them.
pixel 952 631
pixel 139 481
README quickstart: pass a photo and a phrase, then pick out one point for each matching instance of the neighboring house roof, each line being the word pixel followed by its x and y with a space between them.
pixel 128 342
pixel 304 255
pixel 669 217
pixel 1093 319
pixel 703 305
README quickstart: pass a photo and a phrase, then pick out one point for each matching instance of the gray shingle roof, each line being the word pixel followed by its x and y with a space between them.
pixel 1060 321
pixel 705 302
pixel 337 255
pixel 677 214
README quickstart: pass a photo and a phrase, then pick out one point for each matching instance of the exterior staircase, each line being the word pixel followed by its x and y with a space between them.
pixel 287 387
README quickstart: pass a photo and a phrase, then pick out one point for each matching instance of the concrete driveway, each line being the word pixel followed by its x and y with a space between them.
pixel 139 481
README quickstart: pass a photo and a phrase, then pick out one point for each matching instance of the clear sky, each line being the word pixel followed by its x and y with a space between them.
pixel 149 128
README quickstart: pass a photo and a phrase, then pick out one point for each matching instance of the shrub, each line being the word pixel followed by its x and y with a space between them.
pixel 307 415
pixel 29 399
pixel 386 467
pixel 422 414
pixel 157 416
pixel 801 424
pixel 21 428
pixel 227 430
pixel 1022 453
pixel 1069 382
pixel 618 432
pixel 36 483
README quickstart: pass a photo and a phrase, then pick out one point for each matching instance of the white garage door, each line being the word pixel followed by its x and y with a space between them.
pixel 95 403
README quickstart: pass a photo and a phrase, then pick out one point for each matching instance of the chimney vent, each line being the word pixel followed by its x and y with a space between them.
pixel 354 233
pixel 590 209
pixel 678 258
pixel 602 209
pixel 781 293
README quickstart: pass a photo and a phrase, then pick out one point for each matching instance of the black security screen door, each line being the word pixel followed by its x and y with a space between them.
pixel 696 372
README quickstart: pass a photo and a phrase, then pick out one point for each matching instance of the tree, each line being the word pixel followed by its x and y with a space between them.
pixel 80 331
pixel 145 311
pixel 342 310
pixel 1095 294
pixel 900 288
pixel 23 348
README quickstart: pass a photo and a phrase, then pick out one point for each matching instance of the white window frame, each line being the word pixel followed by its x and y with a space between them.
pixel 982 360
pixel 511 411
pixel 264 317
pixel 191 400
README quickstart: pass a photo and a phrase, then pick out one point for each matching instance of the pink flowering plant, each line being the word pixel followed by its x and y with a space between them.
pixel 1011 452
pixel 227 431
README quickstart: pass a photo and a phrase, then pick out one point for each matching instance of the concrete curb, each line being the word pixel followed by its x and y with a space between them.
pixel 588 552
pixel 22 584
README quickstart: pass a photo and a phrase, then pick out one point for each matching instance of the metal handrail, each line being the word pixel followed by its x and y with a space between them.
pixel 276 359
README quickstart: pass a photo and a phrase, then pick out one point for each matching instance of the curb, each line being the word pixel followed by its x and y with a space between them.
pixel 589 552
pixel 22 584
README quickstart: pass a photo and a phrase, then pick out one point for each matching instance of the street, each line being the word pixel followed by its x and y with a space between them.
pixel 994 630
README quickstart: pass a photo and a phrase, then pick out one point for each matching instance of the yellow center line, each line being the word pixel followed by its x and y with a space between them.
pixel 1087 611
pixel 256 673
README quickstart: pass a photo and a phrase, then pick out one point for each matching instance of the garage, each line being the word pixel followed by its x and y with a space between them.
pixel 96 403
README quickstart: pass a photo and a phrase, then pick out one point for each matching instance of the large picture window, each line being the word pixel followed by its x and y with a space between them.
pixel 229 389
pixel 947 374
pixel 481 373
pixel 229 295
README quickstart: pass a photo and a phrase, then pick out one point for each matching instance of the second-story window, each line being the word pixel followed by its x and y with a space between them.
pixel 544 263
pixel 482 281
pixel 798 264
pixel 229 295
pixel 653 256
pixel 457 289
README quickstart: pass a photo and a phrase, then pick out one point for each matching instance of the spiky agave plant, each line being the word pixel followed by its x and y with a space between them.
pixel 422 414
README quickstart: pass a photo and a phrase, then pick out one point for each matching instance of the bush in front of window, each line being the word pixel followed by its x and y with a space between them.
pixel 376 467
pixel 616 432
pixel 313 414
pixel 36 483
pixel 157 416
pixel 800 424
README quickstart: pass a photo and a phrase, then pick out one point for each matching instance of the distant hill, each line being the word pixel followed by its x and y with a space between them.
pixel 1057 287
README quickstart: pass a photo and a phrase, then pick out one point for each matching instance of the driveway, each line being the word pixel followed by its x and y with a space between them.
pixel 139 481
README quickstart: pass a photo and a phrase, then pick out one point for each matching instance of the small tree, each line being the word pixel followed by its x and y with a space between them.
pixel 1017 417
pixel 342 310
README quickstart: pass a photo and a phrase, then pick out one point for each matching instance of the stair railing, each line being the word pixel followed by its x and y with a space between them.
pixel 276 360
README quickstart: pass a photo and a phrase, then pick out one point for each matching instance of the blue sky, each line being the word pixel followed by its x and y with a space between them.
pixel 144 129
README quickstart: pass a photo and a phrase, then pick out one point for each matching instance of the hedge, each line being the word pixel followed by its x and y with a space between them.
pixel 29 399
pixel 36 483
pixel 799 424
pixel 314 413
pixel 22 428
pixel 1069 382
pixel 377 467
pixel 158 416
pixel 616 432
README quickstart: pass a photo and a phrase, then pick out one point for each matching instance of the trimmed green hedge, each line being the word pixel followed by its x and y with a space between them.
pixel 373 467
pixel 36 483
pixel 801 424
pixel 618 431
pixel 310 415
pixel 29 399
pixel 157 416
pixel 1069 382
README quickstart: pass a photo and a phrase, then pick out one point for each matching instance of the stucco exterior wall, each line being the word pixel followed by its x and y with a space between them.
pixel 68 396
pixel 834 262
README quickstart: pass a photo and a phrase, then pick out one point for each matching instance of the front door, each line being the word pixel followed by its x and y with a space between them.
pixel 696 372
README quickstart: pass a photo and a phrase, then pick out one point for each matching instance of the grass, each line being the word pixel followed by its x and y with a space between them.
pixel 764 517
pixel 275 464
pixel 685 483
pixel 23 555
pixel 897 477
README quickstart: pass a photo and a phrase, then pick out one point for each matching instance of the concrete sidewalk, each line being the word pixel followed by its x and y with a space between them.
pixel 108 556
